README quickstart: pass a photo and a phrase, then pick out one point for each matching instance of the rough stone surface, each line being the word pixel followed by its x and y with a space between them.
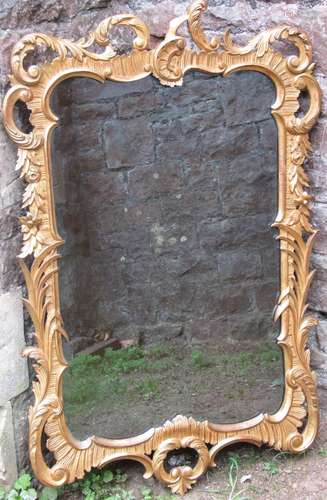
pixel 13 368
pixel 72 19
pixel 8 467
pixel 322 333
pixel 20 407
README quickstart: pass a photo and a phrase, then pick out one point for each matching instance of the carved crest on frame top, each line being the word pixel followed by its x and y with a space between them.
pixel 295 425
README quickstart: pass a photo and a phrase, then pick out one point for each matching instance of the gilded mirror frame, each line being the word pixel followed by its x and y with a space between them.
pixel 294 426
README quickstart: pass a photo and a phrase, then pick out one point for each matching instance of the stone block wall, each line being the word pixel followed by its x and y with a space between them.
pixel 73 18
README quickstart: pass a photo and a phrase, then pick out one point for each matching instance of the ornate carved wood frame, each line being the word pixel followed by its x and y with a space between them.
pixel 294 426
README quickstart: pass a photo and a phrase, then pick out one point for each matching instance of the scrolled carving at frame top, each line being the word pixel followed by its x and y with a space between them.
pixel 76 50
pixel 294 426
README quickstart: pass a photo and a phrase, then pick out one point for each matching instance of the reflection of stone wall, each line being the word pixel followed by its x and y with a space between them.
pixel 166 197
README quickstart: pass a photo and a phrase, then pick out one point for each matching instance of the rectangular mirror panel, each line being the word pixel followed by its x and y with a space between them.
pixel 170 271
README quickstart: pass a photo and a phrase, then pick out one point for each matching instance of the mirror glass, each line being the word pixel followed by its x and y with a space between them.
pixel 170 271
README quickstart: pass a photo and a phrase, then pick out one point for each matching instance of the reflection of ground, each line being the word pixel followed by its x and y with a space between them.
pixel 130 390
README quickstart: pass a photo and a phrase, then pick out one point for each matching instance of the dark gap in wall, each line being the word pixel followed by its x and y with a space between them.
pixel 48 456
pixel 181 458
pixel 304 103
pixel 22 117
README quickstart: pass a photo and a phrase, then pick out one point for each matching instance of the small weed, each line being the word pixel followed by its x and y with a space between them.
pixel 22 490
pixel 234 462
pixel 160 351
pixel 322 452
pixel 234 458
pixel 147 387
pixel 120 477
pixel 284 455
pixel 238 364
pixel 119 494
pixel 147 494
pixel 101 485
pixel 270 354
pixel 271 467
pixel 199 360
pixel 243 362
pixel 49 494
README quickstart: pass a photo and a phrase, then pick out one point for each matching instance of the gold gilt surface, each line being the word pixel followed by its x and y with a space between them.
pixel 294 426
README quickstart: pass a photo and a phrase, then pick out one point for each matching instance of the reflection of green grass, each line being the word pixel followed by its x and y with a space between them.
pixel 239 363
pixel 92 378
pixel 122 376
pixel 199 359
pixel 147 387
pixel 242 362
pixel 269 354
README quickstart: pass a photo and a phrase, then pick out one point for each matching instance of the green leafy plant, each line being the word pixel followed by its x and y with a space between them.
pixel 49 494
pixel 234 463
pixel 102 485
pixel 99 485
pixel 22 490
pixel 147 387
pixel 119 494
pixel 271 467
pixel 147 494
pixel 234 459
pixel 270 354
pixel 199 360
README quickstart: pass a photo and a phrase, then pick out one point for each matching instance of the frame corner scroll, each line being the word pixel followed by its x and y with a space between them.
pixel 295 424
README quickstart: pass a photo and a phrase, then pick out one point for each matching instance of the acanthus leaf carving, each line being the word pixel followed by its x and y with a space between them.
pixel 296 125
pixel 261 44
pixel 195 26
pixel 77 50
pixel 29 165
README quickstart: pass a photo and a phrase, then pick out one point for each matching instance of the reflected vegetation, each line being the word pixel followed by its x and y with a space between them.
pixel 171 375
pixel 169 273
